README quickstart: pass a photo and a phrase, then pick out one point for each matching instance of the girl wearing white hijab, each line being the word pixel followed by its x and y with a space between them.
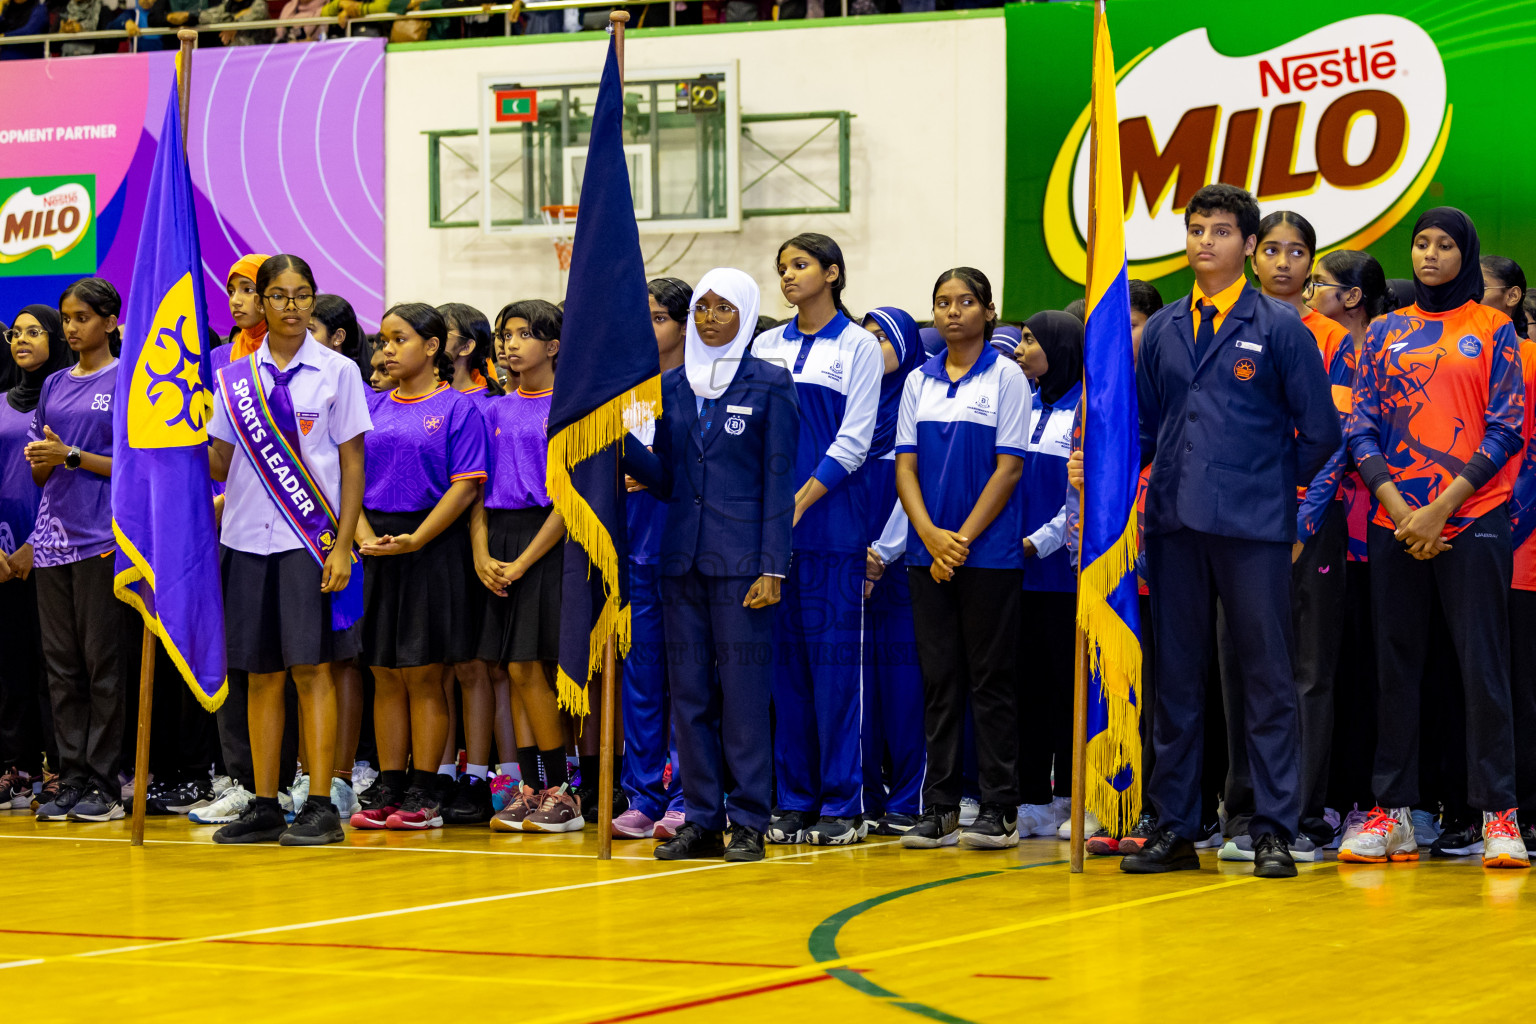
pixel 724 459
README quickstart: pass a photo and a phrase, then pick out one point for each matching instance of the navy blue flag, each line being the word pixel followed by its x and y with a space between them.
pixel 608 382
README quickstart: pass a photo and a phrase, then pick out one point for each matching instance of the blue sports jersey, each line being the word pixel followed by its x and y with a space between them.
pixel 837 375
pixel 957 429
pixel 1043 492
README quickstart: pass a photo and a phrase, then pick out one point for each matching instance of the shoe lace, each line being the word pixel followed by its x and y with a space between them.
pixel 1501 826
pixel 415 800
pixel 1379 822
pixel 308 813
pixel 551 797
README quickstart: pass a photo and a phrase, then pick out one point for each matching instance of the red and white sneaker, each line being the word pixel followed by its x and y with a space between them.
pixel 559 811
pixel 374 817
pixel 1502 845
pixel 419 810
pixel 667 827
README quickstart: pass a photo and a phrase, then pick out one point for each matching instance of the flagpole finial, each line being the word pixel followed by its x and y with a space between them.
pixel 619 16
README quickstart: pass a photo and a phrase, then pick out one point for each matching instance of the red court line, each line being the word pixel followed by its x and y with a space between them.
pixel 690 1004
pixel 408 949
pixel 1013 977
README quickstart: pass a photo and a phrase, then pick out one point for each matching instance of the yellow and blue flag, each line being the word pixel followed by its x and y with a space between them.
pixel 608 382
pixel 1106 596
pixel 162 494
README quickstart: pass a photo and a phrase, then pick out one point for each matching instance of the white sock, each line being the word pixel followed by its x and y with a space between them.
pixel 448 770
pixel 479 771
pixel 508 768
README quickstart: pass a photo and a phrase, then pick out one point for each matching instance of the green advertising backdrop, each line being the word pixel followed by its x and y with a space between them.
pixel 1358 115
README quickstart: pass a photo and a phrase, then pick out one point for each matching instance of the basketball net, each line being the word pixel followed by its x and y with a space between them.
pixel 561 217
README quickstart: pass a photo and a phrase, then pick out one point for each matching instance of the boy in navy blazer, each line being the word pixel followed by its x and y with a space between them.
pixel 1235 410
pixel 725 463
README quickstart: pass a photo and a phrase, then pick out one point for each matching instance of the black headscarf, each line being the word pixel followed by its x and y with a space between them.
pixel 1467 285
pixel 1061 335
pixel 1399 293
pixel 25 393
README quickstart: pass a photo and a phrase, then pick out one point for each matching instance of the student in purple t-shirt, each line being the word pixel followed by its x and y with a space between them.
pixel 425 464
pixel 27 359
pixel 85 629
pixel 516 535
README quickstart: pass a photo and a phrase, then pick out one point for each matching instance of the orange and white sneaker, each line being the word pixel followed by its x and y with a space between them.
pixel 1502 845
pixel 1386 835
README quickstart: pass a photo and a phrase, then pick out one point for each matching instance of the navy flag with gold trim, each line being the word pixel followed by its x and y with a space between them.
pixel 162 496
pixel 608 382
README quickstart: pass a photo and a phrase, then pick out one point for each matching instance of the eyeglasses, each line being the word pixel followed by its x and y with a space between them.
pixel 277 300
pixel 1311 287
pixel 721 313
pixel 1496 288
pixel 33 334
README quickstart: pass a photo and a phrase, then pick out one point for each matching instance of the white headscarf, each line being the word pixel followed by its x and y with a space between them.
pixel 711 370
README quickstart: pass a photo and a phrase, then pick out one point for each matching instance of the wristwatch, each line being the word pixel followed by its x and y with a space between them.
pixel 72 459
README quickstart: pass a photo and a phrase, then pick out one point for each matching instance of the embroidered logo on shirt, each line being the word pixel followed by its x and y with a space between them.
pixel 1470 346
pixel 834 372
pixel 735 425
pixel 432 423
pixel 1244 369
pixel 307 422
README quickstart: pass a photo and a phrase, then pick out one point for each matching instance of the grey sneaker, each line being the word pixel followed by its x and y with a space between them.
pixel 96 806
pixel 58 808
pixel 1236 848
pixel 1304 849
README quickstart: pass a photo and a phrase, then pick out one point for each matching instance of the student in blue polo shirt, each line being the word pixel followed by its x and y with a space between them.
pixel 836 365
pixel 961 440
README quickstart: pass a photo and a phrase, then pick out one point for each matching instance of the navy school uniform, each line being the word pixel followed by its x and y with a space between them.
pixel 1228 432
pixel 729 474
pixel 816 689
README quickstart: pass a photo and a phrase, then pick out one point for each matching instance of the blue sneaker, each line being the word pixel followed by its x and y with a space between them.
pixel 62 803
pixel 96 805
pixel 1425 829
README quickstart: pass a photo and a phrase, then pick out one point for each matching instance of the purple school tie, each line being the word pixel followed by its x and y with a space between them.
pixel 280 401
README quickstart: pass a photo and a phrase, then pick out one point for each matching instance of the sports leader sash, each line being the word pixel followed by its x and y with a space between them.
pixel 280 468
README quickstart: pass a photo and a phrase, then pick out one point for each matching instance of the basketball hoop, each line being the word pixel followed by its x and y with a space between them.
pixel 561 217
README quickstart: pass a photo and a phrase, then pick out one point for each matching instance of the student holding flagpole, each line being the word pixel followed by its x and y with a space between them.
pixel 287 435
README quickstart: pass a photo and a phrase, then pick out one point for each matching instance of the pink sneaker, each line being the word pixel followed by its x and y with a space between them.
pixel 419 810
pixel 503 790
pixel 377 817
pixel 633 824
pixel 667 827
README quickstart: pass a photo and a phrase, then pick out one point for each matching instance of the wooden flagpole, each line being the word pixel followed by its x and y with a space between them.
pixel 608 701
pixel 188 39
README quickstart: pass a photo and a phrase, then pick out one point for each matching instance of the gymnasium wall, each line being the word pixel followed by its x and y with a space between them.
pixel 927 154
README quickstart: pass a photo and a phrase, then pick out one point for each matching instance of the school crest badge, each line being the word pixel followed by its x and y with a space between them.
pixel 735 426
pixel 432 424
pixel 307 422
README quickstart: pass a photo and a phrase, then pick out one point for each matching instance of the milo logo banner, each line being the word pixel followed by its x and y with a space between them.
pixel 1358 116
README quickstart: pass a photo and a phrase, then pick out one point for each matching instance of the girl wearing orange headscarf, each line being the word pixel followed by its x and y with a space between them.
pixel 245 307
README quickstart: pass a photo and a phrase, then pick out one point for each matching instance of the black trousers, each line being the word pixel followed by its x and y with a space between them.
pixel 1473 581
pixel 1522 692
pixel 1188 572
pixel 26 722
pixel 966 641
pixel 1354 697
pixel 1317 619
pixel 1045 694
pixel 86 633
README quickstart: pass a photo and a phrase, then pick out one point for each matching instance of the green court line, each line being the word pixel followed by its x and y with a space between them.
pixel 823 942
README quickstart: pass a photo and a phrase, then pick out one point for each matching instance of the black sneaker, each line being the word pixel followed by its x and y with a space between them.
pixel 1528 836
pixel 894 823
pixel 790 827
pixel 939 826
pixel 1163 852
pixel 691 843
pixel 837 832
pixel 97 805
pixel 746 844
pixel 63 801
pixel 995 828
pixel 1143 832
pixel 470 803
pixel 379 796
pixel 588 797
pixel 178 797
pixel 258 823
pixel 316 824
pixel 1460 839
pixel 1271 858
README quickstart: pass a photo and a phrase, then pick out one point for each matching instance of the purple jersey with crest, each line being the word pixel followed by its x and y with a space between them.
pixel 74 519
pixel 18 494
pixel 519 434
pixel 420 447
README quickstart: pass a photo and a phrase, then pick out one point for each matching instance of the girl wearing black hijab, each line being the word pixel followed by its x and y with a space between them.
pixel 1050 353
pixel 31 351
pixel 1438 416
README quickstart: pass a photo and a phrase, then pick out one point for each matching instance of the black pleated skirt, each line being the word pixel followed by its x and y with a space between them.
pixel 420 607
pixel 524 625
pixel 275 616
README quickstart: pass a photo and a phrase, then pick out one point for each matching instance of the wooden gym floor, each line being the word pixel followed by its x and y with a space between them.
pixel 462 925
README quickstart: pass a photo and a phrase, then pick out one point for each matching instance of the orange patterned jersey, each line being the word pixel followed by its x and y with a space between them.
pixel 1433 390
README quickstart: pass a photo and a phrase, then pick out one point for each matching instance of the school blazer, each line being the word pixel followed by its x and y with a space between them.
pixel 1229 436
pixel 730 493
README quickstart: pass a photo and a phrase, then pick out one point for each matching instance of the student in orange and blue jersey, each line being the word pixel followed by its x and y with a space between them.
pixel 1283 264
pixel 1504 290
pixel 1439 406
pixel 1350 288
pixel 1235 409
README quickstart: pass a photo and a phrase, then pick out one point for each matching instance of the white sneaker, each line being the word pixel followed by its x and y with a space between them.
pixel 363 776
pixel 300 792
pixel 1090 825
pixel 969 808
pixel 345 800
pixel 229 806
pixel 1385 835
pixel 220 784
pixel 1502 845
pixel 1036 820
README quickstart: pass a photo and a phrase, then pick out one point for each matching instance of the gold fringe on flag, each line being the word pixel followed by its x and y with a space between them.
pixel 1114 655
pixel 589 435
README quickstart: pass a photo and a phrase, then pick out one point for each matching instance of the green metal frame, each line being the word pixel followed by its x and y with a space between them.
pixel 714 172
